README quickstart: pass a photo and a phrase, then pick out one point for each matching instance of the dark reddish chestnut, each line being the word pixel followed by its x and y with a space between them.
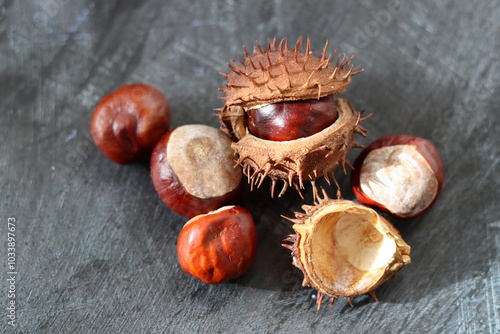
pixel 128 122
pixel 192 168
pixel 285 121
pixel 400 174
pixel 218 246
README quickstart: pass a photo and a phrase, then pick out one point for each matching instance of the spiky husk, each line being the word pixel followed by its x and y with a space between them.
pixel 303 258
pixel 280 74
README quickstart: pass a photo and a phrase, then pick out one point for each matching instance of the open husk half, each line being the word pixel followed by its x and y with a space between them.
pixel 345 249
pixel 304 159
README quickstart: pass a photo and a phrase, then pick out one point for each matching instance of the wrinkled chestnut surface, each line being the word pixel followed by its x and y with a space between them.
pixel 345 249
pixel 218 246
pixel 400 174
pixel 127 123
pixel 192 168
pixel 292 120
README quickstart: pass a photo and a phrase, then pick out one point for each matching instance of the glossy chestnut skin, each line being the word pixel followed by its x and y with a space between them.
pixel 292 120
pixel 218 246
pixel 127 123
pixel 174 193
pixel 426 150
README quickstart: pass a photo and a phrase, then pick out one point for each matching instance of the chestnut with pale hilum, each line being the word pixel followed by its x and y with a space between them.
pixel 218 246
pixel 192 168
pixel 400 174
pixel 127 123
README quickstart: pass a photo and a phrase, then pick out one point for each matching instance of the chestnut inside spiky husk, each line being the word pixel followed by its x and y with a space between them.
pixel 279 74
pixel 345 249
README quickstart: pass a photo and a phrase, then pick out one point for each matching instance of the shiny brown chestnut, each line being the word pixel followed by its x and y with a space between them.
pixel 292 120
pixel 127 123
pixel 192 168
pixel 218 246
pixel 400 174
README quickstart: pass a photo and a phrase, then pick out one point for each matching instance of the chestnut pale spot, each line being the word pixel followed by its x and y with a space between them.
pixel 399 178
pixel 203 160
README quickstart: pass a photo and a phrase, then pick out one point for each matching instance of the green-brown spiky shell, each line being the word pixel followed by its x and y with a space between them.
pixel 331 284
pixel 280 74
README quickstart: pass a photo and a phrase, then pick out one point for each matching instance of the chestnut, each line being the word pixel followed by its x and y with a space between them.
pixel 218 246
pixel 400 174
pixel 193 171
pixel 281 112
pixel 285 121
pixel 127 123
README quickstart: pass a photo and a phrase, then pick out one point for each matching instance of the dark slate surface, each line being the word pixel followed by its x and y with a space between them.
pixel 96 247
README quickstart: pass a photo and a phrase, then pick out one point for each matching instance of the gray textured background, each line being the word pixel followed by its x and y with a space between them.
pixel 96 247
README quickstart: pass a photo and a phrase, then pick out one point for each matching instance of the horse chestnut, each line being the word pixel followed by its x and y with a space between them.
pixel 292 120
pixel 400 174
pixel 282 115
pixel 127 123
pixel 218 246
pixel 192 170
